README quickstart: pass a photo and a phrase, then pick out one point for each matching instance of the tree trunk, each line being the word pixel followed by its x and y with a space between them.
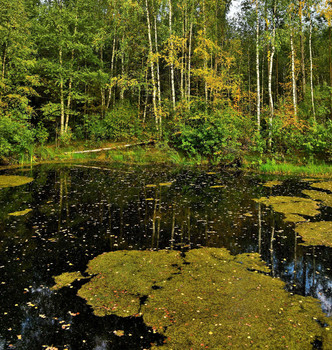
pixel 311 72
pixel 172 53
pixel 205 60
pixel 257 71
pixel 70 80
pixel 270 76
pixel 293 74
pixel 157 52
pixel 302 48
pixel 62 100
pixel 182 61
pixel 154 90
pixel 122 71
pixel 189 63
pixel 112 70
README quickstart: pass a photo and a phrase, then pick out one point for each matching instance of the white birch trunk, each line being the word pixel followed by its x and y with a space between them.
pixel 157 52
pixel 205 60
pixel 270 77
pixel 189 64
pixel 257 71
pixel 293 74
pixel 154 90
pixel 112 70
pixel 311 72
pixel 62 100
pixel 172 53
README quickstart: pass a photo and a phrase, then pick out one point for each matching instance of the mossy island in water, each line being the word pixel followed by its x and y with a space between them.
pixel 205 299
pixel 13 180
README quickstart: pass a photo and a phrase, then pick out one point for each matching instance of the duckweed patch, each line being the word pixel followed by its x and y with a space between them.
pixel 292 207
pixel 20 213
pixel 66 279
pixel 316 233
pixel 13 180
pixel 325 185
pixel 272 183
pixel 208 299
pixel 324 197
pixel 123 278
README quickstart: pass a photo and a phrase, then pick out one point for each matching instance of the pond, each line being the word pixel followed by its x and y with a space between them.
pixel 126 243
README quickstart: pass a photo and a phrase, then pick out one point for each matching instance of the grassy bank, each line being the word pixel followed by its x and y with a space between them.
pixel 162 153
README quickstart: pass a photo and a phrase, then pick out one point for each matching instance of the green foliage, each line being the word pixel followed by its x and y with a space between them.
pixel 217 136
pixel 120 123
pixel 318 140
pixel 16 136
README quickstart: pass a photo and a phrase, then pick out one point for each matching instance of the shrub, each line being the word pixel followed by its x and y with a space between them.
pixel 16 136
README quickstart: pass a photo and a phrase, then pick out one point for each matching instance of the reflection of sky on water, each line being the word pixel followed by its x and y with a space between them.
pixel 79 213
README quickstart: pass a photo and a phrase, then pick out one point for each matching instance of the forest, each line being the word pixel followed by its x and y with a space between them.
pixel 204 79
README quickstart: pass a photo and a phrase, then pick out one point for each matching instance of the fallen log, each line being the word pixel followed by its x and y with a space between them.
pixel 151 142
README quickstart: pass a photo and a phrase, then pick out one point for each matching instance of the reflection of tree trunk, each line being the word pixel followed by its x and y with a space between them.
pixel 314 267
pixel 154 223
pixel 173 230
pixel 158 232
pixel 110 223
pixel 66 197
pixel 189 227
pixel 60 201
pixel 304 275
pixel 271 248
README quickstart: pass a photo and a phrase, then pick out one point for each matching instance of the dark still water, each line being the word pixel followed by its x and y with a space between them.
pixel 79 212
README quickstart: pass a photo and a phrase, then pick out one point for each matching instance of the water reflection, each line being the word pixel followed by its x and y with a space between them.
pixel 80 212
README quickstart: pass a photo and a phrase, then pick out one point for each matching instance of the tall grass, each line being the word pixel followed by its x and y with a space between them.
pixel 289 168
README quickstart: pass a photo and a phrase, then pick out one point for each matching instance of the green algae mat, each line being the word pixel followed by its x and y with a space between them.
pixel 205 299
pixel 324 185
pixel 294 208
pixel 13 180
pixel 316 233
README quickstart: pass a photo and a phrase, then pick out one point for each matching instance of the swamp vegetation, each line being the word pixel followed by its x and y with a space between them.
pixel 140 257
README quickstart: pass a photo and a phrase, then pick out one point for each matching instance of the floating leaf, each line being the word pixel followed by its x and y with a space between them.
pixel 20 213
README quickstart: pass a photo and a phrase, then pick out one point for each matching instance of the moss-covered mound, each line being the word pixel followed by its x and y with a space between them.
pixel 316 233
pixel 209 299
pixel 13 180
pixel 292 207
